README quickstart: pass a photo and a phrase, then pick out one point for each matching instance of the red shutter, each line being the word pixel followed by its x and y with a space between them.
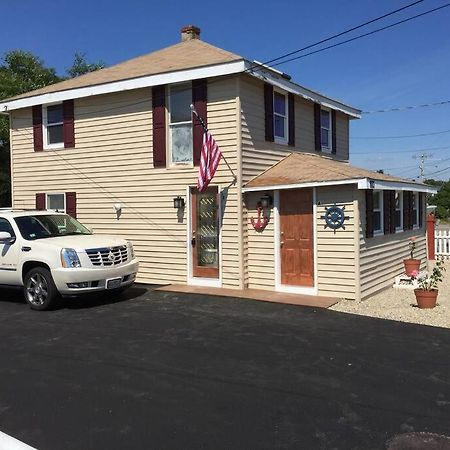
pixel 38 138
pixel 369 213
pixel 159 126
pixel 291 119
pixel 317 138
pixel 420 206
pixel 71 204
pixel 407 210
pixel 40 200
pixel 199 100
pixel 268 107
pixel 68 127
pixel 386 212
pixel 333 132
pixel 411 211
pixel 392 211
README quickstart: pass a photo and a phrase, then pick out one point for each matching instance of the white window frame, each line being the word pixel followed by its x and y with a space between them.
pixel 57 145
pixel 416 196
pixel 380 231
pixel 324 148
pixel 48 194
pixel 170 123
pixel 279 139
pixel 399 229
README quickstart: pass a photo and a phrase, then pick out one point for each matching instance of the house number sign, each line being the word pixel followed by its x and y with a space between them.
pixel 335 217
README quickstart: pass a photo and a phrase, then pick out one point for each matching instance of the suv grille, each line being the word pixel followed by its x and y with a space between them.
pixel 108 256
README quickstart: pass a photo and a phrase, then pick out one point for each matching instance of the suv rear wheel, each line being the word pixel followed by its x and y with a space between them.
pixel 39 289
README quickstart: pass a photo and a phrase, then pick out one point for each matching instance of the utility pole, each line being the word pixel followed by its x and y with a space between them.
pixel 423 157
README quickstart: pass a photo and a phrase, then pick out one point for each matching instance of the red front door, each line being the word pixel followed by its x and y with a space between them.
pixel 205 233
pixel 296 237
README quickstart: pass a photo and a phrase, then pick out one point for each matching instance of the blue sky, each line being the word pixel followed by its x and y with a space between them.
pixel 407 65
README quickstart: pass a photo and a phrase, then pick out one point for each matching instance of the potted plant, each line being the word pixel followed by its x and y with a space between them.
pixel 427 292
pixel 411 264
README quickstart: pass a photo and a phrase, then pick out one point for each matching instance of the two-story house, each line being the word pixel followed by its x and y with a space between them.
pixel 119 147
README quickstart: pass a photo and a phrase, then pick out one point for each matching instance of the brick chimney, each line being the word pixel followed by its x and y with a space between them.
pixel 190 32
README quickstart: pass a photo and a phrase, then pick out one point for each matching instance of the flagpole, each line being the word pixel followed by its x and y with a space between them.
pixel 206 130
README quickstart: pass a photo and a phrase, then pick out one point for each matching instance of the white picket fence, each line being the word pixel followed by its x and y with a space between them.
pixel 442 243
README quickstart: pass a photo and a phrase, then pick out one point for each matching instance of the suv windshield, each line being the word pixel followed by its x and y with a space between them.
pixel 46 226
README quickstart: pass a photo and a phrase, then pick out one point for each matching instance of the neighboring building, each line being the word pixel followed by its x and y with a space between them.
pixel 124 136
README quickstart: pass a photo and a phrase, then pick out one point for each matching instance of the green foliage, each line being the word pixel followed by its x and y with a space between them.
pixel 80 66
pixel 431 282
pixel 441 199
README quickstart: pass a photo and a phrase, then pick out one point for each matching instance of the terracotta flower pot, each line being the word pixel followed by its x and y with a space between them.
pixel 411 265
pixel 426 299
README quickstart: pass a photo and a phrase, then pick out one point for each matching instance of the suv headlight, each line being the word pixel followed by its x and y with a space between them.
pixel 69 258
pixel 130 249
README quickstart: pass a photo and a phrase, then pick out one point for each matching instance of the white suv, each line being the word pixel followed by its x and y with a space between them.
pixel 52 254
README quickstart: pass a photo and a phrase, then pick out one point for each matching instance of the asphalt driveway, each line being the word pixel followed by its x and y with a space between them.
pixel 161 370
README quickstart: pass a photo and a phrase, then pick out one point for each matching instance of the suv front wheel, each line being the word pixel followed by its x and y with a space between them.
pixel 39 289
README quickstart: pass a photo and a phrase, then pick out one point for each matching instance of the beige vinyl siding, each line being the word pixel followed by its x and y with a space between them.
pixel 336 262
pixel 112 163
pixel 261 247
pixel 382 256
pixel 335 252
pixel 258 154
pixel 342 135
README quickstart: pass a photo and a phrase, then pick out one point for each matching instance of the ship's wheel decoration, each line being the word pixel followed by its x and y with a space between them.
pixel 335 217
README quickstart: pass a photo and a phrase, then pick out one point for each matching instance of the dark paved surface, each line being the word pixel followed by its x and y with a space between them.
pixel 168 371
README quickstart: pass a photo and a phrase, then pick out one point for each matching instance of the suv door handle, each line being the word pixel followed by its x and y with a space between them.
pixel 26 249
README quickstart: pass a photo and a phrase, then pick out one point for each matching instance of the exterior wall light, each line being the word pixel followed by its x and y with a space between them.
pixel 178 203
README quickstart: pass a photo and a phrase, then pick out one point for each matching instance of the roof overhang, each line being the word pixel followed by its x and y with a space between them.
pixel 125 85
pixel 276 79
pixel 235 67
pixel 362 183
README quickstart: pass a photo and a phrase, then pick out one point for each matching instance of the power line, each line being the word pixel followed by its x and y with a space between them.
pixel 364 35
pixel 334 36
pixel 401 151
pixel 405 108
pixel 401 137
pixel 439 171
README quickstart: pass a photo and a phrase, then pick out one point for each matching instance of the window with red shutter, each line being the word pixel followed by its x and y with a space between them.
pixel 71 204
pixel 69 124
pixel 317 128
pixel 268 111
pixel 40 200
pixel 333 132
pixel 369 213
pixel 291 119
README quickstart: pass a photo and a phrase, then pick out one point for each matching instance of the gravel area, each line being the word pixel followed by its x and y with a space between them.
pixel 400 304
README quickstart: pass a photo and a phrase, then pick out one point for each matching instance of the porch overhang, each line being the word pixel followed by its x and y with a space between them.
pixel 305 170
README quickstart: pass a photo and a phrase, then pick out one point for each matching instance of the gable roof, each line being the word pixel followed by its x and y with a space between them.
pixel 184 55
pixel 305 169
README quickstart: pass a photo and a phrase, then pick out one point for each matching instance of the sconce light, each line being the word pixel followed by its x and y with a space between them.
pixel 178 203
pixel 118 209
pixel 263 218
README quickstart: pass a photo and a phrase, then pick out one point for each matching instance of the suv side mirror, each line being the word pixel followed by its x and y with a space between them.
pixel 6 238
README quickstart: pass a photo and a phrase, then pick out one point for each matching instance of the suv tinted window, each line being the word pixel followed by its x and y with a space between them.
pixel 6 226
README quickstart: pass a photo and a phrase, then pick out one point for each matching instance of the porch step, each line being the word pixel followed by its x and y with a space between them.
pixel 255 294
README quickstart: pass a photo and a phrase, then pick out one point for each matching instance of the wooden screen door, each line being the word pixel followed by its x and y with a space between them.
pixel 205 233
pixel 296 237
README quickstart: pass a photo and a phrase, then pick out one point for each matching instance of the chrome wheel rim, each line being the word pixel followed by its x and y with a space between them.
pixel 37 289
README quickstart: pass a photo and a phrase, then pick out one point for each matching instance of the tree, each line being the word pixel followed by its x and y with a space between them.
pixel 80 66
pixel 442 199
pixel 20 72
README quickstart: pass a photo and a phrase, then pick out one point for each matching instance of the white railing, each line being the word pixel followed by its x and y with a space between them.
pixel 442 243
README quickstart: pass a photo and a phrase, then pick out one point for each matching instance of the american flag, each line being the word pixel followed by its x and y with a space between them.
pixel 209 160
